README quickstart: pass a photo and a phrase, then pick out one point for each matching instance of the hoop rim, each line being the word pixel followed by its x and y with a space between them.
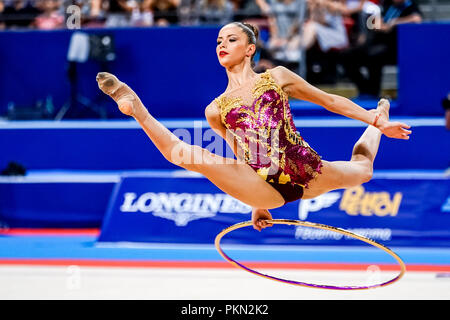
pixel 317 226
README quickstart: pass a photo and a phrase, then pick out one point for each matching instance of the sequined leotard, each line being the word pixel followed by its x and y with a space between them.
pixel 264 129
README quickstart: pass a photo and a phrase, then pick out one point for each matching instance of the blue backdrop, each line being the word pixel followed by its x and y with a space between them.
pixel 122 146
pixel 176 73
pixel 424 67
pixel 397 212
pixel 174 70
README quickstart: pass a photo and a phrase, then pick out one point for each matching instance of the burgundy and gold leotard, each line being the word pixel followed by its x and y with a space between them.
pixel 264 129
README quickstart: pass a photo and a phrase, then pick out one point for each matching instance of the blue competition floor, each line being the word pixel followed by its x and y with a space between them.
pixel 85 247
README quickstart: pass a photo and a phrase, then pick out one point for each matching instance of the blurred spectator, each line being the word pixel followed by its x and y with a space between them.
pixel 119 13
pixel 246 10
pixel 284 17
pixel 323 35
pixel 93 12
pixel 357 13
pixel 20 14
pixel 143 17
pixel 380 48
pixel 51 18
pixel 2 17
pixel 187 13
pixel 165 12
pixel 289 35
pixel 325 25
pixel 96 7
pixel 218 12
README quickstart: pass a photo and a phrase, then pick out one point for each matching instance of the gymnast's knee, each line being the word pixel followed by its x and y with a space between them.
pixel 364 169
pixel 367 174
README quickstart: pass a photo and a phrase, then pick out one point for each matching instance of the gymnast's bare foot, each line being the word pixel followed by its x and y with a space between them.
pixel 128 102
pixel 383 107
pixel 395 129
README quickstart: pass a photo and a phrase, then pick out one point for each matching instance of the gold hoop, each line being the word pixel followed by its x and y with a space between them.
pixel 317 226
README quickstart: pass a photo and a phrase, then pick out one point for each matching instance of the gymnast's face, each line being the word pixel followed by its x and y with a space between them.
pixel 234 42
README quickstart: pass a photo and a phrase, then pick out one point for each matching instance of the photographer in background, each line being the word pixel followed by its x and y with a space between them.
pixel 446 106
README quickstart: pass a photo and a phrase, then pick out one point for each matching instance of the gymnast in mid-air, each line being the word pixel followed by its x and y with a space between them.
pixel 274 164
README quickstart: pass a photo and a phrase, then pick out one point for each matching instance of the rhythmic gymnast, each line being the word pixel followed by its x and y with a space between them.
pixel 274 164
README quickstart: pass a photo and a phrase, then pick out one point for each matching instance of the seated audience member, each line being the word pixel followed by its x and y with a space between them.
pixel 324 33
pixel 165 12
pixel 247 10
pixel 143 15
pixel 2 17
pixel 93 12
pixel 379 49
pixel 289 35
pixel 357 13
pixel 51 17
pixel 325 25
pixel 187 13
pixel 20 14
pixel 284 17
pixel 119 13
pixel 219 12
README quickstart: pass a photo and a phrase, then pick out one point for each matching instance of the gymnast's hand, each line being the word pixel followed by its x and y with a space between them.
pixel 259 217
pixel 391 129
pixel 396 130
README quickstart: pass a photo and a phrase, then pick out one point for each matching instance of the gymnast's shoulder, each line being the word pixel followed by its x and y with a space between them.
pixel 284 77
pixel 212 112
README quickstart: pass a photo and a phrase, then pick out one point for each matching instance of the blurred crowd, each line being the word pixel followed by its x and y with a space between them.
pixel 359 35
pixel 54 14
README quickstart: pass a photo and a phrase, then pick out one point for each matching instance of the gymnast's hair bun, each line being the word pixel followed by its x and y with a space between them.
pixel 253 28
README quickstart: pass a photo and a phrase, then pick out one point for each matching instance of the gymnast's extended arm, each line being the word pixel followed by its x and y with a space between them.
pixel 296 87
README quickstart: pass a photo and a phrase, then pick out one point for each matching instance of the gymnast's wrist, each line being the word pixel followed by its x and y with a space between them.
pixel 381 124
pixel 378 122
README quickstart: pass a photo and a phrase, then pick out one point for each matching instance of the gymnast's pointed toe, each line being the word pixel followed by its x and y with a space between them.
pixel 107 82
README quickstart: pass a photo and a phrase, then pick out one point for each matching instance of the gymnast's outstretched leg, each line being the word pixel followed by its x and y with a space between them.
pixel 234 178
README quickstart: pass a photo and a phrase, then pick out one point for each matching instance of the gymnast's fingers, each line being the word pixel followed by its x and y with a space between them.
pixel 256 225
pixel 265 224
pixel 406 131
pixel 402 136
pixel 262 223
pixel 404 125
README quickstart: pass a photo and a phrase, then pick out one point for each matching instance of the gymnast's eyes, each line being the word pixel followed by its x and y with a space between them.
pixel 231 40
